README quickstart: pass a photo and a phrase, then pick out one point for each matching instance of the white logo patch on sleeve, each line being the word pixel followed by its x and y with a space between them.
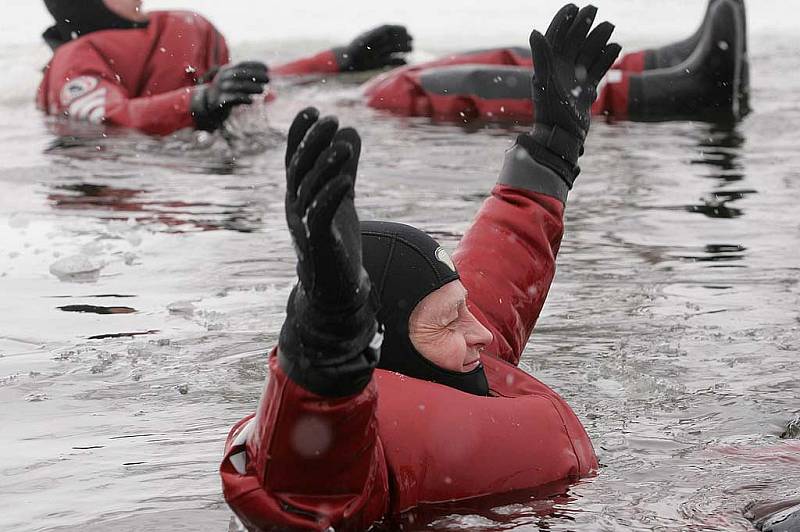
pixel 90 108
pixel 76 88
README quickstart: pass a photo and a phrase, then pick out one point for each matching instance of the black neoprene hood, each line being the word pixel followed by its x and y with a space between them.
pixel 405 265
pixel 75 18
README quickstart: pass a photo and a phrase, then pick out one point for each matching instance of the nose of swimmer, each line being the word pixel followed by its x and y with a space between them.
pixel 477 335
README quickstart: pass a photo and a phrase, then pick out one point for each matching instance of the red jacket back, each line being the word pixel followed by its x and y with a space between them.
pixel 139 78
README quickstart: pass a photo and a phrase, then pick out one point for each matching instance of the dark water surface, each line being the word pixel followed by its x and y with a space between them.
pixel 143 282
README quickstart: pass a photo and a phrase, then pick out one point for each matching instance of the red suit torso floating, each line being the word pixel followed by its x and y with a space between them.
pixel 140 78
pixel 307 461
pixel 143 78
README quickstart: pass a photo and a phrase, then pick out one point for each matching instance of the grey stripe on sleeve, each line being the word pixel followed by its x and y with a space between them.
pixel 490 82
pixel 521 171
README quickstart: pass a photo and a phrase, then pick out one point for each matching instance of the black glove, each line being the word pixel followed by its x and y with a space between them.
pixel 568 65
pixel 376 48
pixel 326 343
pixel 233 85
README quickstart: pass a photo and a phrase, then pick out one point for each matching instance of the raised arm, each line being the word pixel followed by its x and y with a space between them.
pixel 311 458
pixel 507 258
pixel 377 48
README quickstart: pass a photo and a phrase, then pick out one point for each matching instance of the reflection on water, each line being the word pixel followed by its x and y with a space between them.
pixel 720 147
pixel 122 335
pixel 719 253
pixel 135 204
pixel 93 309
pixel 716 205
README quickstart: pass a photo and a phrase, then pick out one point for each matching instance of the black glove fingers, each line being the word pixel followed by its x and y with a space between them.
pixel 372 37
pixel 403 45
pixel 253 71
pixel 376 47
pixel 241 86
pixel 316 140
pixel 232 99
pixel 300 125
pixel 382 42
pixel 297 229
pixel 396 61
pixel 396 30
pixel 328 201
pixel 558 20
pixel 332 220
pixel 350 136
pixel 578 32
pixel 395 45
pixel 604 62
pixel 388 32
pixel 256 76
pixel 400 38
pixel 560 25
pixel 594 45
pixel 542 54
pixel 328 165
pixel 254 65
pixel 379 30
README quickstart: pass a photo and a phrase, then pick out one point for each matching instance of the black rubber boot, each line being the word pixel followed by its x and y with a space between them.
pixel 709 85
pixel 676 53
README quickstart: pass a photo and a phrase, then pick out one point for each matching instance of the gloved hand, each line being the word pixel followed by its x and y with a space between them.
pixel 233 85
pixel 568 65
pixel 326 343
pixel 376 48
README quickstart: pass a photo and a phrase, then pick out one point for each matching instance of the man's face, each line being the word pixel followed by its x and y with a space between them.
pixel 129 9
pixel 444 331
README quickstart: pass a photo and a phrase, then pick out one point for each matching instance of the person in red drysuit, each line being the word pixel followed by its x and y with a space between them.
pixel 703 77
pixel 166 70
pixel 394 383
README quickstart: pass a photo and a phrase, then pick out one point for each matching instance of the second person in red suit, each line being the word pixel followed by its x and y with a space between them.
pixel 166 70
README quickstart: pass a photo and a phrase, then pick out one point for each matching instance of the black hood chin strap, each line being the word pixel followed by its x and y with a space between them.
pixel 412 363
pixel 76 18
pixel 405 265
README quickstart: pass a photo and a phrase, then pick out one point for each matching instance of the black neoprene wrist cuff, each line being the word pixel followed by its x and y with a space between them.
pixel 331 355
pixel 555 148
pixel 520 170
pixel 199 110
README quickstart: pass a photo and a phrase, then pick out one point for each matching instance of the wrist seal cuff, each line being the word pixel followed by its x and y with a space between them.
pixel 520 170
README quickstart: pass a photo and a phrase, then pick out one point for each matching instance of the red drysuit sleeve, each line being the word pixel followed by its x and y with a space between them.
pixel 305 461
pixel 218 47
pixel 89 90
pixel 321 63
pixel 507 261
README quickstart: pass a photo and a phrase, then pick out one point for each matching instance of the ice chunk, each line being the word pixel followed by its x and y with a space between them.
pixel 181 308
pixel 76 269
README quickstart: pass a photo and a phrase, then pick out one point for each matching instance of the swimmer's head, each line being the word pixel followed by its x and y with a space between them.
pixel 429 331
pixel 75 18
